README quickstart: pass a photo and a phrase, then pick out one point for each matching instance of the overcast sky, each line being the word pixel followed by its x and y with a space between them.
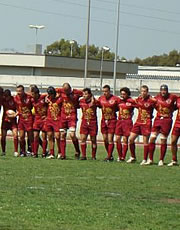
pixel 146 27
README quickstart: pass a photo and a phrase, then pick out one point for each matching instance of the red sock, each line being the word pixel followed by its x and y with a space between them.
pixel 132 149
pixel 119 149
pixel 76 145
pixel 124 152
pixel 58 146
pixel 146 148
pixel 36 146
pixel 151 150
pixel 3 144
pixel 163 151
pixel 106 144
pixel 15 144
pixel 83 149
pixel 52 152
pixel 22 145
pixel 110 150
pixel 44 146
pixel 174 157
pixel 63 147
pixel 94 150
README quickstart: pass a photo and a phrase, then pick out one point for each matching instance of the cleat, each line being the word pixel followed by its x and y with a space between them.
pixel 62 157
pixel 149 162
pixel 120 159
pixel 22 155
pixel 16 154
pixel 93 158
pixel 58 156
pixel 77 156
pixel 83 158
pixel 43 155
pixel 35 155
pixel 172 163
pixel 161 163
pixel 3 154
pixel 28 153
pixel 50 157
pixel 131 160
pixel 109 159
pixel 143 162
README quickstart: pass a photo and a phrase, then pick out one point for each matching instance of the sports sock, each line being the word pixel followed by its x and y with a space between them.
pixel 146 148
pixel 36 146
pixel 152 147
pixel 110 150
pixel 44 146
pixel 124 151
pixel 63 147
pixel 94 150
pixel 83 149
pixel 163 151
pixel 132 149
pixel 119 149
pixel 76 145
pixel 3 144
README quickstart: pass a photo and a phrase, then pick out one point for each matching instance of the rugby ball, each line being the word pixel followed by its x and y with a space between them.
pixel 11 113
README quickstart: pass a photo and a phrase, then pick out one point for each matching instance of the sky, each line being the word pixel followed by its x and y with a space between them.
pixel 147 28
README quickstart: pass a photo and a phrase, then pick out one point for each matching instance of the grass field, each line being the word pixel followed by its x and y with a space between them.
pixel 88 195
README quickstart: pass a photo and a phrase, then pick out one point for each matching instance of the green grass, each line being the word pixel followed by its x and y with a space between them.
pixel 88 195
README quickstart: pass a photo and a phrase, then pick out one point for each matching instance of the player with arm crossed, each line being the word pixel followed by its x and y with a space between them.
pixel 89 125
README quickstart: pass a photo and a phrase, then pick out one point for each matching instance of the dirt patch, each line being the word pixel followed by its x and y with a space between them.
pixel 171 201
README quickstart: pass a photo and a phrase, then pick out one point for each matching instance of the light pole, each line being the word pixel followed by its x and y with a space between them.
pixel 87 44
pixel 36 27
pixel 116 49
pixel 71 43
pixel 104 49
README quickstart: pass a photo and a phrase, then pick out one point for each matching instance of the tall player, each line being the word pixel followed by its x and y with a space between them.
pixel 25 123
pixel 109 105
pixel 175 136
pixel 145 105
pixel 165 105
pixel 9 121
pixel 39 124
pixel 70 103
pixel 1 97
pixel 124 123
pixel 53 121
pixel 89 122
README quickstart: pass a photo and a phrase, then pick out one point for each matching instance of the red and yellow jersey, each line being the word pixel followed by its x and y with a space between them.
pixel 88 109
pixel 109 107
pixel 126 108
pixel 24 106
pixel 177 122
pixel 8 105
pixel 40 107
pixel 54 109
pixel 145 108
pixel 70 102
pixel 165 106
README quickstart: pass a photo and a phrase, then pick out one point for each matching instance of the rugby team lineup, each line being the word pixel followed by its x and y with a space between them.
pixel 46 118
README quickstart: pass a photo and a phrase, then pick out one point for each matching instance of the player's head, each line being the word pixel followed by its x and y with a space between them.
pixel 7 94
pixel 144 91
pixel 87 94
pixel 106 91
pixel 1 91
pixel 125 92
pixel 164 90
pixel 67 88
pixel 20 90
pixel 51 92
pixel 32 86
pixel 34 92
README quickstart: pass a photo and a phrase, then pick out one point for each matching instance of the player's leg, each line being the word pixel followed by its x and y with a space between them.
pixel 125 147
pixel 75 141
pixel 146 148
pixel 94 146
pixel 110 137
pixel 63 134
pixel 22 143
pixel 36 143
pixel 151 147
pixel 174 148
pixel 15 140
pixel 119 147
pixel 132 139
pixel 83 146
pixel 163 149
pixel 50 135
pixel 44 143
pixel 30 134
pixel 3 141
pixel 57 137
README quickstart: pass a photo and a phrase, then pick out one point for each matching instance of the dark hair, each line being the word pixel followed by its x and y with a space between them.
pixel 126 90
pixel 51 91
pixel 87 90
pixel 67 84
pixel 1 90
pixel 7 93
pixel 145 87
pixel 33 86
pixel 20 86
pixel 164 87
pixel 106 87
pixel 35 89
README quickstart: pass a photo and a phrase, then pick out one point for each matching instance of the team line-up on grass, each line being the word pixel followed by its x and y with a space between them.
pixel 55 112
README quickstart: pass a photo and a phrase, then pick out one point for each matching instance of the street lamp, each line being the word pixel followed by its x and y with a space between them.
pixel 36 27
pixel 71 43
pixel 104 49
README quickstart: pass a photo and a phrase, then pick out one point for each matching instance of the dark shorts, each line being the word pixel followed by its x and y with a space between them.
pixel 90 128
pixel 162 126
pixel 9 125
pixel 68 123
pixel 108 126
pixel 123 127
pixel 52 126
pixel 39 125
pixel 142 129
